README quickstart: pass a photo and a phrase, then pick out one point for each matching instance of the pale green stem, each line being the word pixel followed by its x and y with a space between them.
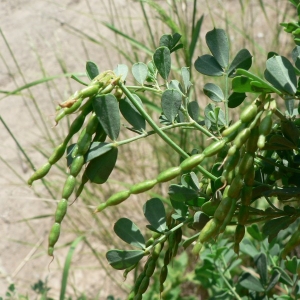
pixel 158 130
pixel 138 88
pixel 226 100
pixel 203 130
pixel 151 122
pixel 145 134
pixel 166 234
pixel 229 286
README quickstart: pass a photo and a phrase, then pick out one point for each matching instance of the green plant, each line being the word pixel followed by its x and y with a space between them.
pixel 268 152
pixel 215 121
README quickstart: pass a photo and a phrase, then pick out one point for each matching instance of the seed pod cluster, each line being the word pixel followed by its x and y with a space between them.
pixel 60 150
pixel 142 282
pixel 239 175
pixel 247 171
pixel 167 175
pixel 102 84
pixel 83 145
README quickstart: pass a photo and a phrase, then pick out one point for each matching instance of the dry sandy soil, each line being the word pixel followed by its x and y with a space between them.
pixel 30 27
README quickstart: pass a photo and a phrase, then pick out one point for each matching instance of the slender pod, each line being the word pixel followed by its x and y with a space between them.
pixel 40 173
pixel 265 128
pixel 53 238
pixel 61 210
pixel 229 216
pixel 238 236
pixel 249 113
pixel 209 231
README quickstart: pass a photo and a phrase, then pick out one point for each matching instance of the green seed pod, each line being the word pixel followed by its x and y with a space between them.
pixel 74 107
pixel 143 186
pixel 76 165
pixel 252 141
pixel 227 177
pixel 53 237
pixel 128 270
pixel 150 267
pixel 149 242
pixel 61 114
pixel 238 236
pixel 69 187
pixel 235 187
pixel 131 296
pixel 249 113
pixel 246 195
pixel 265 125
pixel 114 200
pixel 138 297
pixel 243 214
pixel 246 163
pixel 209 208
pixel 168 174
pixel 250 176
pixel 214 148
pixel 156 251
pixel 223 209
pixel 232 150
pixel 261 142
pixel 209 231
pixel 191 162
pixel 138 282
pixel 197 248
pixel 84 180
pixel 232 128
pixel 229 216
pixel 163 274
pixel 265 128
pixel 75 151
pixel 61 210
pixel 83 144
pixel 92 124
pixel 242 138
pixel 144 285
pixel 232 161
pixel 40 173
pixel 57 154
pixel 168 255
pixel 89 90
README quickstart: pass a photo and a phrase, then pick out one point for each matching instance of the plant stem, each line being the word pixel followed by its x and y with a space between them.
pixel 145 134
pixel 226 100
pixel 229 286
pixel 137 88
pixel 166 234
pixel 158 130
pixel 203 130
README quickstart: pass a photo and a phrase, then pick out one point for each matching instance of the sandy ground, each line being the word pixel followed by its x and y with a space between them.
pixel 31 28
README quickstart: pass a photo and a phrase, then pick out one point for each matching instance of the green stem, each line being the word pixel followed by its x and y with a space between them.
pixel 145 134
pixel 229 285
pixel 159 131
pixel 226 100
pixel 143 89
pixel 203 130
pixel 151 122
pixel 166 234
